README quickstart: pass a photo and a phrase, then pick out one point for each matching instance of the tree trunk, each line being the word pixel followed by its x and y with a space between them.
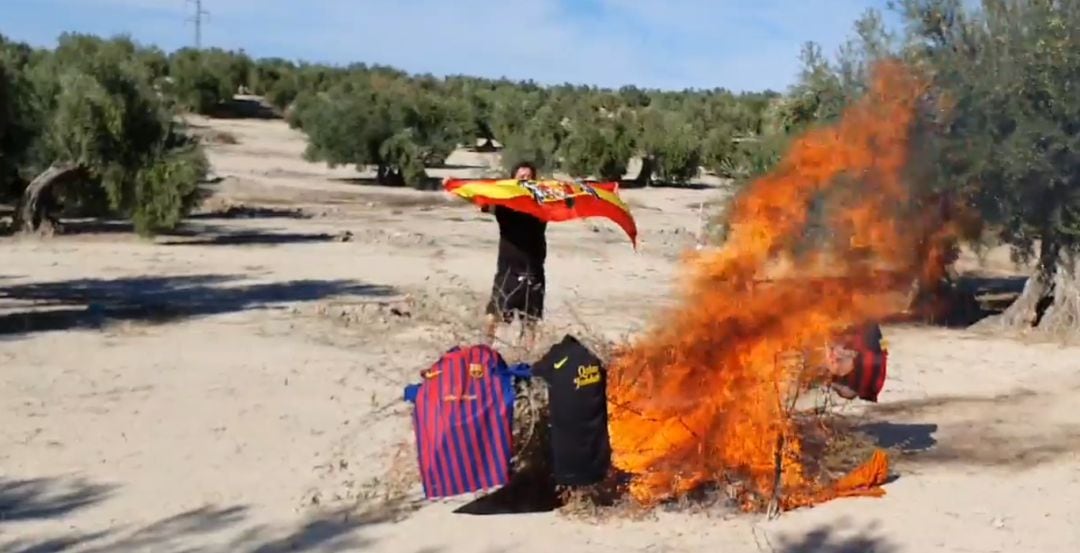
pixel 1023 312
pixel 389 176
pixel 1049 303
pixel 488 145
pixel 644 176
pixel 1062 316
pixel 396 178
pixel 33 214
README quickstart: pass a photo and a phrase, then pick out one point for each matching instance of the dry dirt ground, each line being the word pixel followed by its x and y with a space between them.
pixel 236 387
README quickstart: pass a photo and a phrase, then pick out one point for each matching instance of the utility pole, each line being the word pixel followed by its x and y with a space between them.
pixel 197 18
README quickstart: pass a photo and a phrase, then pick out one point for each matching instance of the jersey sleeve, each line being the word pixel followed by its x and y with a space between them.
pixel 545 366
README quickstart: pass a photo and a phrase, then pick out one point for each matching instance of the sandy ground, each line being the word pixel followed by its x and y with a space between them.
pixel 235 387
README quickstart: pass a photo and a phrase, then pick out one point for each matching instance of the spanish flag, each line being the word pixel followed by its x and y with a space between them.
pixel 549 200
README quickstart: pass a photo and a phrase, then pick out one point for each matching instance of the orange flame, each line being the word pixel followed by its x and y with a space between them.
pixel 700 398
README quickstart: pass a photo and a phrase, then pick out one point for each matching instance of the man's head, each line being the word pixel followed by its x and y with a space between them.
pixel 524 171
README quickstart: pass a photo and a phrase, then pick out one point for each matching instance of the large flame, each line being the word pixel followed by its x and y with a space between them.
pixel 703 396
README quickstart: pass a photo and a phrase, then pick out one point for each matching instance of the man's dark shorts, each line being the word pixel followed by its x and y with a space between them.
pixel 517 292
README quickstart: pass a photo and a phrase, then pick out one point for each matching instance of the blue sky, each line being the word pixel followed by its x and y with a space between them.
pixel 737 44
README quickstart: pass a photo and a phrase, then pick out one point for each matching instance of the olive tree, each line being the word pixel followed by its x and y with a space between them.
pixel 379 120
pixel 599 144
pixel 99 137
pixel 1008 135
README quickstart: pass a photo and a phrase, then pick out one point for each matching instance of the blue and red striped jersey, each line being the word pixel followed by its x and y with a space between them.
pixel 462 420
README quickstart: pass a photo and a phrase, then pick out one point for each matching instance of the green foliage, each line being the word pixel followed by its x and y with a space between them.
pixel 283 92
pixel 598 144
pixel 166 189
pixel 669 143
pixel 112 124
pixel 581 130
pixel 199 81
pixel 402 160
pixel 720 151
pixel 536 140
pixel 92 103
pixel 342 128
pixel 1008 140
pixel 378 120
pixel 760 156
pixel 18 124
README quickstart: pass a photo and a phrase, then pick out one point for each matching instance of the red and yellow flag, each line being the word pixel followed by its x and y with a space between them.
pixel 549 200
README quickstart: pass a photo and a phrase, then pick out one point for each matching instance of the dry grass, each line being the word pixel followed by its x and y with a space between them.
pixel 392 495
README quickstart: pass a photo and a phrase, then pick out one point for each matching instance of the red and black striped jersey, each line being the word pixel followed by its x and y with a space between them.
pixel 867 378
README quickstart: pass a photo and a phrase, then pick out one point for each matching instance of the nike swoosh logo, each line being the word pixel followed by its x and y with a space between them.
pixel 561 362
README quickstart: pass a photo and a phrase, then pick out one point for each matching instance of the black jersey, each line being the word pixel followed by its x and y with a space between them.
pixel 577 383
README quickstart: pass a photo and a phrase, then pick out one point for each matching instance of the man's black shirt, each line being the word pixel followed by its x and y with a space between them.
pixel 522 241
pixel 577 399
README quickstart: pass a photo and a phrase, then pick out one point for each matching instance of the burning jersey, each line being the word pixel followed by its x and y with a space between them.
pixel 867 377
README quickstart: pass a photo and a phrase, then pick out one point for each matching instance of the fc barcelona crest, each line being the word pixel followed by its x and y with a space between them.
pixel 476 370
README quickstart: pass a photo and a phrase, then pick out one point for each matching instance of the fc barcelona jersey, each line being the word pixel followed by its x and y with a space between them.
pixel 462 421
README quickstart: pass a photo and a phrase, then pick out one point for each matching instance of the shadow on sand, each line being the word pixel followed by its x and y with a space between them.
pixel 95 303
pixel 969 300
pixel 197 225
pixel 328 531
pixel 244 108
pixel 982 431
pixel 833 539
pixel 250 238
pixel 522 495
pixel 251 212
pixel 42 498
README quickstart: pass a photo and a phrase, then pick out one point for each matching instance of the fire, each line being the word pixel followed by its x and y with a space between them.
pixel 702 397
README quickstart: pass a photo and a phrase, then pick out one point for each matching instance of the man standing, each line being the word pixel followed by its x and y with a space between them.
pixel 519 270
